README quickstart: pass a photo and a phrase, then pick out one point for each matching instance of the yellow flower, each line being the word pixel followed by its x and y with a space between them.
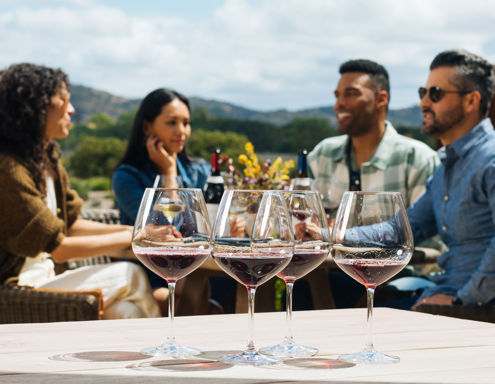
pixel 242 159
pixel 249 148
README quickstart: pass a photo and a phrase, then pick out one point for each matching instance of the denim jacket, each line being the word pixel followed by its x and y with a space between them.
pixel 459 205
pixel 129 183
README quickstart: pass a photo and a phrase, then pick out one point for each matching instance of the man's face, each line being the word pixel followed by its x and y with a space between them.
pixel 355 104
pixel 447 112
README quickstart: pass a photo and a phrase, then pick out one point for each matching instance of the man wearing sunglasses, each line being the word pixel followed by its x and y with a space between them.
pixel 370 155
pixel 459 202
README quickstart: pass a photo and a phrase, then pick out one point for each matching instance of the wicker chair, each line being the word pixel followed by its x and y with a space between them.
pixel 29 305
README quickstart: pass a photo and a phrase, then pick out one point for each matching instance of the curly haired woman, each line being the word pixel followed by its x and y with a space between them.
pixel 39 225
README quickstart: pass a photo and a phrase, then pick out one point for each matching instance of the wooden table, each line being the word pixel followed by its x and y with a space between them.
pixel 433 349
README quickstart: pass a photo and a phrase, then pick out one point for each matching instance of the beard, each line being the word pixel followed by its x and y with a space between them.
pixel 442 123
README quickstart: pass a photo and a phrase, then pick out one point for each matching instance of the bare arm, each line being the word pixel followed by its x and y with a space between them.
pixel 82 227
pixel 81 247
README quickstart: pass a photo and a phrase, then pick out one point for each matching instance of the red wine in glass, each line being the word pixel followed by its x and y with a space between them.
pixel 254 268
pixel 303 262
pixel 371 272
pixel 171 264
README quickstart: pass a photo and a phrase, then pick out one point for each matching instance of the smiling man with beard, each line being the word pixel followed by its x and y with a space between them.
pixel 459 203
pixel 369 155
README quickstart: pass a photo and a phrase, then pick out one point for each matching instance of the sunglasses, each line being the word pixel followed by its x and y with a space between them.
pixel 436 93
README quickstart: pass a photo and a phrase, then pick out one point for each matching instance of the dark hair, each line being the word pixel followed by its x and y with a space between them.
pixel 472 73
pixel 377 73
pixel 136 153
pixel 25 95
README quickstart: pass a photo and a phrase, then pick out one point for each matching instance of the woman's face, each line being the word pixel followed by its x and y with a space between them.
pixel 172 126
pixel 58 114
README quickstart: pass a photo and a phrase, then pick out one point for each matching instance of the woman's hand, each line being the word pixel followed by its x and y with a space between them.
pixel 165 162
pixel 162 233
pixel 307 231
pixel 237 227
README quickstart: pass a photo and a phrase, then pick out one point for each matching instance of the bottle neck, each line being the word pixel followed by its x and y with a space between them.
pixel 215 164
pixel 302 166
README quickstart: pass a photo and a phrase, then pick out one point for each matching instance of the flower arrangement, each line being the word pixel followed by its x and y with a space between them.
pixel 256 175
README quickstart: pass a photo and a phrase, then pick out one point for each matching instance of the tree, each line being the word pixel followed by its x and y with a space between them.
pixel 200 115
pixel 96 157
pixel 303 133
pixel 201 143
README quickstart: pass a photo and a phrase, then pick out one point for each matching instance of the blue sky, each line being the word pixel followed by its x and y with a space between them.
pixel 260 54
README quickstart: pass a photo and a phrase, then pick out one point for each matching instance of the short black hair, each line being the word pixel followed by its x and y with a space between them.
pixel 472 73
pixel 377 72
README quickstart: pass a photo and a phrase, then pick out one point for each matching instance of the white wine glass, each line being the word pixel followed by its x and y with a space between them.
pixel 255 254
pixel 311 247
pixel 172 238
pixel 371 242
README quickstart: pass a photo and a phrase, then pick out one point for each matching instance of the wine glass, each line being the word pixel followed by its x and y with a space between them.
pixel 171 238
pixel 311 247
pixel 329 197
pixel 371 242
pixel 254 255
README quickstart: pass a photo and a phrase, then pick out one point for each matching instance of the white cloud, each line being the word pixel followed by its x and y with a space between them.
pixel 263 54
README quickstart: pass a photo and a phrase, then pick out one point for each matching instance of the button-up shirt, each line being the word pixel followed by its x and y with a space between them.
pixel 459 205
pixel 399 164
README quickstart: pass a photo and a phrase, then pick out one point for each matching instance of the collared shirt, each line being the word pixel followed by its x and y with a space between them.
pixel 130 182
pixel 459 204
pixel 398 164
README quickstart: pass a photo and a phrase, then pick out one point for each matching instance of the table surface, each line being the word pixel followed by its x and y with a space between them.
pixel 433 349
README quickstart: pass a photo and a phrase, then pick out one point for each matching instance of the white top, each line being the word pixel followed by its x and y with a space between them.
pixel 40 269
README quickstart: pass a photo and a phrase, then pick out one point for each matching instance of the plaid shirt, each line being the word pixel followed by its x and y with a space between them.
pixel 399 164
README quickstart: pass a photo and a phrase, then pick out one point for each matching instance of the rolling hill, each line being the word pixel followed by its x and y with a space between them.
pixel 89 101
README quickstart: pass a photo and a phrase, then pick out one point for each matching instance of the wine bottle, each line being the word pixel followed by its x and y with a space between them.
pixel 301 181
pixel 214 187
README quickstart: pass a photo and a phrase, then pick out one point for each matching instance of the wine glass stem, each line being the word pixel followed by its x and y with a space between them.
pixel 171 311
pixel 250 345
pixel 370 292
pixel 289 286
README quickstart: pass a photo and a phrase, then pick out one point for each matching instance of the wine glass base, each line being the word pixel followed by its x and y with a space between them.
pixel 369 356
pixel 171 350
pixel 249 358
pixel 289 349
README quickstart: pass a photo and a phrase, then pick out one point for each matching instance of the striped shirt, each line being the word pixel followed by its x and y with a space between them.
pixel 398 164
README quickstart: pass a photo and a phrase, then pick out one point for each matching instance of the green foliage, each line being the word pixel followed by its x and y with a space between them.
pixel 266 137
pixel 100 121
pixel 83 186
pixel 200 115
pixel 416 133
pixel 262 135
pixel 96 157
pixel 201 143
pixel 303 133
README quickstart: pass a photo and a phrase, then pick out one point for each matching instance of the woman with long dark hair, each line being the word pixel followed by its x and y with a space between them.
pixel 40 225
pixel 156 153
pixel 156 157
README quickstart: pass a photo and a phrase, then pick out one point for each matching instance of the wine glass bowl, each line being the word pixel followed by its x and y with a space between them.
pixel 171 238
pixel 371 242
pixel 311 247
pixel 254 255
pixel 330 199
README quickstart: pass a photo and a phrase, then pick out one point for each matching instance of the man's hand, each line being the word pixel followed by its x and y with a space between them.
pixel 438 299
